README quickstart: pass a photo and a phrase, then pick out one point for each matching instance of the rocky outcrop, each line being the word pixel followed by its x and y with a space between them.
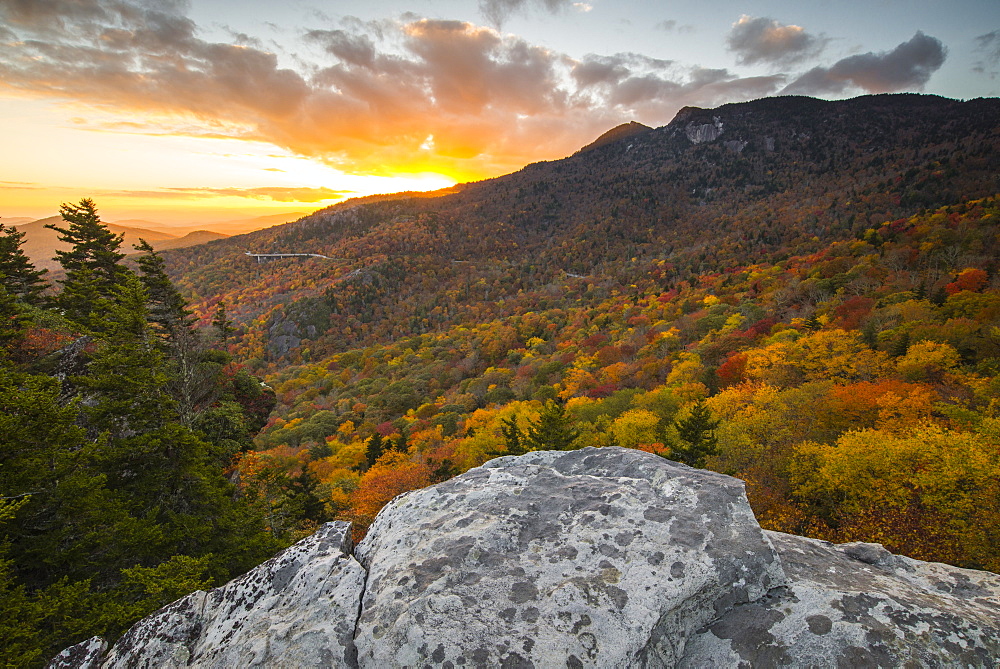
pixel 704 132
pixel 597 557
pixel 298 609
pixel 858 605
pixel 608 558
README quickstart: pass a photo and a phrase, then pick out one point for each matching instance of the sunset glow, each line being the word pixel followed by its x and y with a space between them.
pixel 214 110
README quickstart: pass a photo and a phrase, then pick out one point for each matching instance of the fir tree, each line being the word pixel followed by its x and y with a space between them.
pixel 11 320
pixel 401 443
pixel 17 275
pixel 92 264
pixel 374 449
pixel 125 383
pixel 223 326
pixel 190 385
pixel 552 430
pixel 900 345
pixel 167 309
pixel 513 437
pixel 120 508
pixel 697 438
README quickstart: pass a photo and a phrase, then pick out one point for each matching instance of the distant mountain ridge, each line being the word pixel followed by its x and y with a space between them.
pixel 40 242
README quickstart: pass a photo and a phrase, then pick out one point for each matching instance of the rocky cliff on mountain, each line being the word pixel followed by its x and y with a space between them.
pixel 597 557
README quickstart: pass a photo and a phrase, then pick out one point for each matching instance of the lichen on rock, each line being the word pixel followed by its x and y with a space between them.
pixel 599 557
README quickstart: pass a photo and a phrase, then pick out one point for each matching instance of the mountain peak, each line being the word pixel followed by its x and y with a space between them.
pixel 618 133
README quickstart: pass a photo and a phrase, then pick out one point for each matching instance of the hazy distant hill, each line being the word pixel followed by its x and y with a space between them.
pixel 227 228
pixel 15 220
pixel 190 239
pixel 40 243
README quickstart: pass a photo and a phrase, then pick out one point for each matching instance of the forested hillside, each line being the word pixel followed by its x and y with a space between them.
pixel 118 426
pixel 855 389
pixel 743 183
pixel 801 293
pixel 798 292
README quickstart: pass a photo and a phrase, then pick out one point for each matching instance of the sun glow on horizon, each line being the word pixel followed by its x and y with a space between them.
pixel 198 177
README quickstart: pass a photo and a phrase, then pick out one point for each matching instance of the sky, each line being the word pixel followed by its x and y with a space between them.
pixel 204 110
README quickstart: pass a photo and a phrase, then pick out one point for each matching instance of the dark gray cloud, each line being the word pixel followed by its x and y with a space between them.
pixel 671 26
pixel 595 70
pixel 907 67
pixel 653 90
pixel 355 49
pixel 764 40
pixel 496 12
pixel 701 87
pixel 989 46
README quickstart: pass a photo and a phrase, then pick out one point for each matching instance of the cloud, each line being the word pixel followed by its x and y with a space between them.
pixel 594 70
pixel 634 82
pixel 273 193
pixel 989 46
pixel 496 12
pixel 907 67
pixel 349 48
pixel 671 26
pixel 371 96
pixel 763 40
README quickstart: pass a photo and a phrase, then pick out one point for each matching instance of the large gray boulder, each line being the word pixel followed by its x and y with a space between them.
pixel 597 557
pixel 858 605
pixel 606 557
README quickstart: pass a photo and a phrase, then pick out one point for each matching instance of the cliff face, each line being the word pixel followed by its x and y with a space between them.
pixel 597 557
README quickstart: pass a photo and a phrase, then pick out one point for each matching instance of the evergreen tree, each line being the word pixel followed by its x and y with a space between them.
pixel 190 380
pixel 126 379
pixel 512 436
pixel 110 506
pixel 374 449
pixel 401 444
pixel 11 320
pixel 167 309
pixel 92 264
pixel 223 326
pixel 697 438
pixel 900 345
pixel 304 491
pixel 17 275
pixel 552 430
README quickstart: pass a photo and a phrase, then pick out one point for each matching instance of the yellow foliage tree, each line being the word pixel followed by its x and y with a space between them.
pixel 634 427
pixel 928 361
pixel 932 493
pixel 835 355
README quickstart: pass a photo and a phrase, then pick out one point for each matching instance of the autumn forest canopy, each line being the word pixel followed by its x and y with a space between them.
pixel 799 293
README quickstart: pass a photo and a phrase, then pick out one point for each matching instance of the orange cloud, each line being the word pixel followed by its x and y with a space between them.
pixel 272 193
pixel 491 102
